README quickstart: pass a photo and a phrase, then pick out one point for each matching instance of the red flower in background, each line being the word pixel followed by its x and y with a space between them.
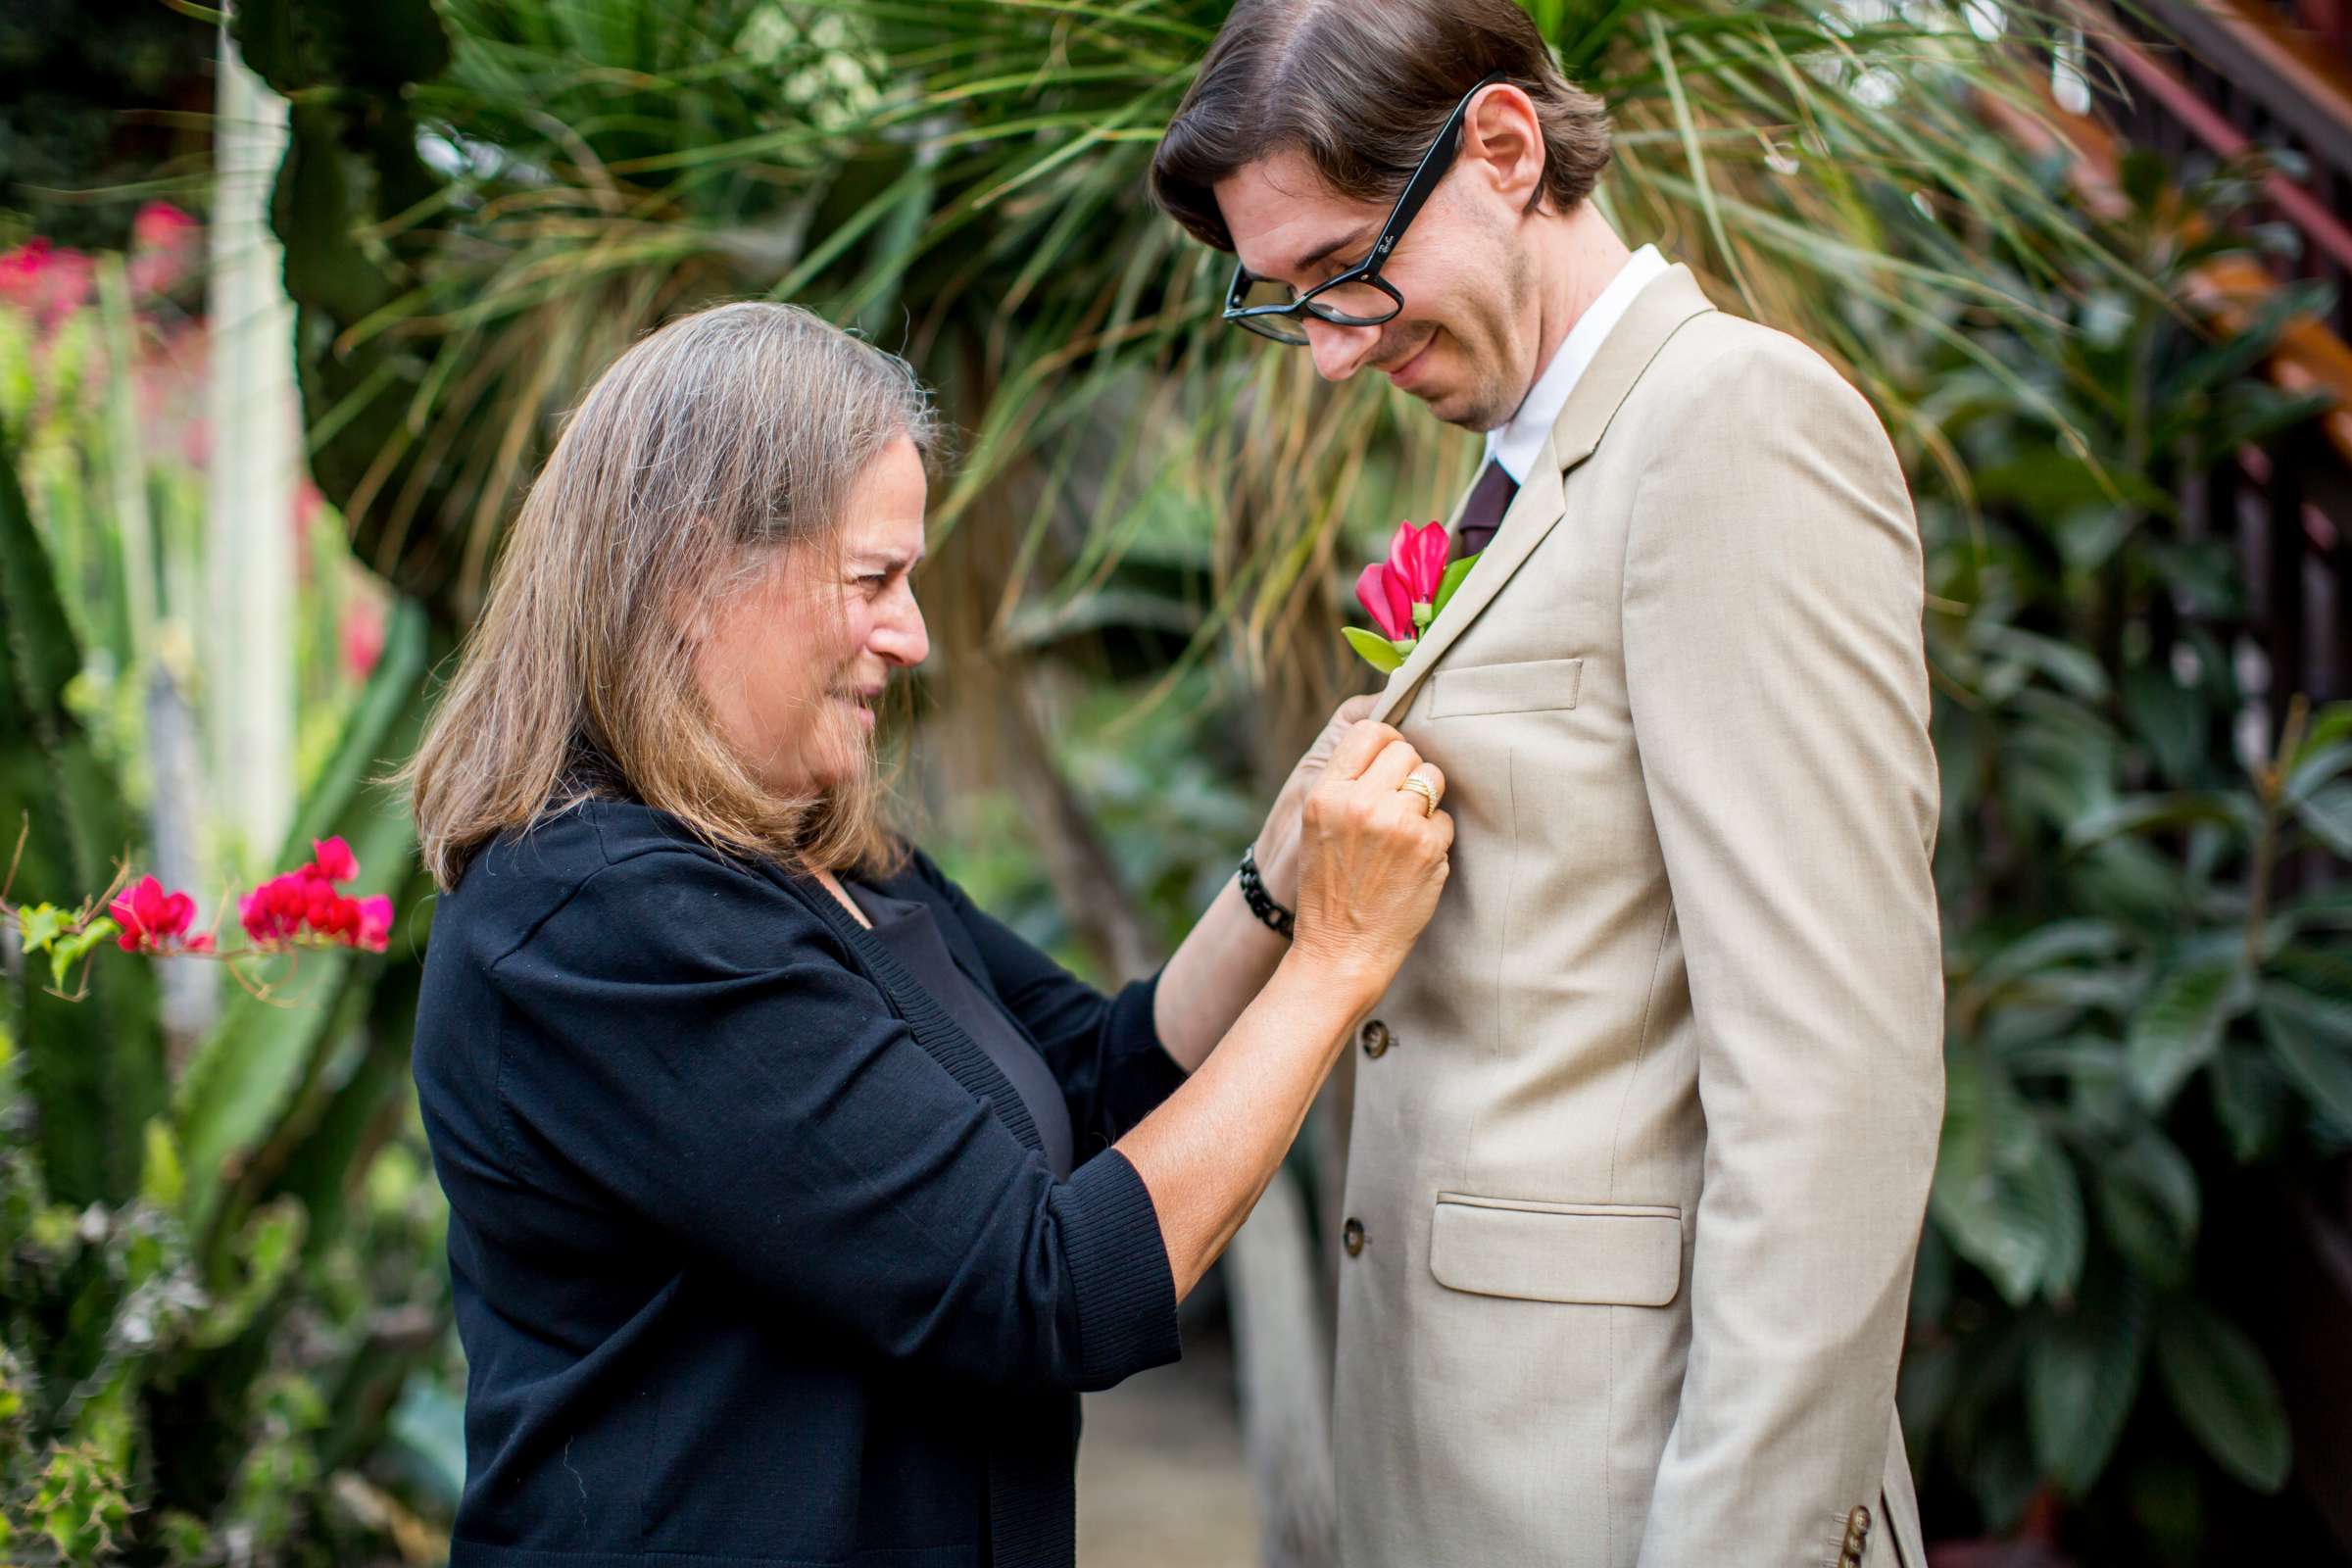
pixel 376 923
pixel 153 918
pixel 42 280
pixel 332 859
pixel 164 243
pixel 363 639
pixel 305 903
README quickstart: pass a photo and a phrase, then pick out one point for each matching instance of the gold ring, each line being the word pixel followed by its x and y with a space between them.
pixel 1415 784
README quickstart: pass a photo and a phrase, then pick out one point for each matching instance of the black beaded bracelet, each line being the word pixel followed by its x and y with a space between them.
pixel 1261 902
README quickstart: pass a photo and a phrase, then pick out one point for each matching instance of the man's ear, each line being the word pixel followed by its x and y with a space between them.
pixel 1502 137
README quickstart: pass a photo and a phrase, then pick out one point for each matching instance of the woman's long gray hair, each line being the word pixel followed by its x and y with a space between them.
pixel 713 443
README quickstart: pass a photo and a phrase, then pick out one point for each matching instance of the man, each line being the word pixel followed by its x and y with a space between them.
pixel 1643 1131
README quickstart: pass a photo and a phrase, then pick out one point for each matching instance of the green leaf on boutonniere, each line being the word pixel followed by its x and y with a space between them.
pixel 1446 584
pixel 1377 650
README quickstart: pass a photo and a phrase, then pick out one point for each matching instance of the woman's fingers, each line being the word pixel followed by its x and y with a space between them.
pixel 1435 776
pixel 1387 770
pixel 1357 748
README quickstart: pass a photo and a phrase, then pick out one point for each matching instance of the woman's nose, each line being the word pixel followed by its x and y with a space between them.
pixel 1339 351
pixel 901 636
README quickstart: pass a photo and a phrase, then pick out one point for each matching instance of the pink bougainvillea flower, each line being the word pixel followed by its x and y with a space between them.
pixel 151 916
pixel 302 905
pixel 162 248
pixel 363 639
pixel 334 861
pixel 376 923
pixel 159 226
pixel 44 281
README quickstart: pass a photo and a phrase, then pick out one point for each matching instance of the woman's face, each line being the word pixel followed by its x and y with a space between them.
pixel 795 662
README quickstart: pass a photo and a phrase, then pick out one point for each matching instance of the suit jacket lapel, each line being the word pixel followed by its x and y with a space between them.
pixel 1654 316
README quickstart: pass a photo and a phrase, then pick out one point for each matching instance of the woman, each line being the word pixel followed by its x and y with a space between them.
pixel 793 1198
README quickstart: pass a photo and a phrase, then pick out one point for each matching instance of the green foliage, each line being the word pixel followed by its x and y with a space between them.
pixel 96 96
pixel 2143 1021
pixel 211 1291
pixel 968 184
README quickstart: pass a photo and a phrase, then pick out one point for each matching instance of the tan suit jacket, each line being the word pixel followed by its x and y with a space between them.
pixel 1643 1130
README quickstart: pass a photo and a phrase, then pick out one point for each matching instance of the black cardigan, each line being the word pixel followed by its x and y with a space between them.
pixel 755 1254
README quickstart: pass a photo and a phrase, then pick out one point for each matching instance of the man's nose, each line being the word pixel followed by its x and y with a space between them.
pixel 1340 351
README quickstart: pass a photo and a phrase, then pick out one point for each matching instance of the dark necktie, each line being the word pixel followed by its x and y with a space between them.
pixel 1482 514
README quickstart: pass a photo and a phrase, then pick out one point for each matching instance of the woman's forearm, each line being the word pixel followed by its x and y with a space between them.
pixel 1224 962
pixel 1211 1149
pixel 1229 954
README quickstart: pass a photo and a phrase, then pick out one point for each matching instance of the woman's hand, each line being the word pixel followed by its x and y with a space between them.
pixel 1278 840
pixel 1372 857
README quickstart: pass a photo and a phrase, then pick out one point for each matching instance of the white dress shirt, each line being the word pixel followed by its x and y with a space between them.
pixel 1517 442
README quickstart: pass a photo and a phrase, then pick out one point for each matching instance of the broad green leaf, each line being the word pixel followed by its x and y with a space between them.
pixel 2169 718
pixel 2072 667
pixel 38 925
pixel 2149 1204
pixel 2082 1378
pixel 68 950
pixel 2223 1392
pixel 1455 571
pixel 1374 649
pixel 2048 1209
pixel 2052 944
pixel 2327 813
pixel 2316 768
pixel 2178 1027
pixel 2311 1040
pixel 2325 972
pixel 2329 726
pixel 2004 1192
pixel 2249 1100
pixel 2182 808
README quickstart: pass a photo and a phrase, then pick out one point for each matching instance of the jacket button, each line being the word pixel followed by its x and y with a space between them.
pixel 1857 1536
pixel 1377 1039
pixel 1351 1237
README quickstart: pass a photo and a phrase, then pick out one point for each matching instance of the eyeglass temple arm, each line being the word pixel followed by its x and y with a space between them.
pixel 1432 168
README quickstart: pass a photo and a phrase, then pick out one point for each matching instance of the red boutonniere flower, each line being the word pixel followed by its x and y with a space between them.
pixel 1404 593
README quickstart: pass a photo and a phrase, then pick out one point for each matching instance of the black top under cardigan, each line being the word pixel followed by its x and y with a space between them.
pixel 756 1255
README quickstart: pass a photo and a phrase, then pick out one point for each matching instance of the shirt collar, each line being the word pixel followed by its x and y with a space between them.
pixel 1517 442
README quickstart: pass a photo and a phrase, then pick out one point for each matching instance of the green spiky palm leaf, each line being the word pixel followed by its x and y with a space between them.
pixel 965 182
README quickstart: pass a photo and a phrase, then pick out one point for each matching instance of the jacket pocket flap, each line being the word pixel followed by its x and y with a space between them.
pixel 1519 688
pixel 1591 1254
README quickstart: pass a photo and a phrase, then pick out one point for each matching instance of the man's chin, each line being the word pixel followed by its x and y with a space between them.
pixel 1465 410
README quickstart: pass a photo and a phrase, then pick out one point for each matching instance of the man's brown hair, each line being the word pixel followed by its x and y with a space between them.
pixel 1360 87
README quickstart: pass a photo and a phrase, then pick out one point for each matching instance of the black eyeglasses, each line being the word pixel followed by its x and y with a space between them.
pixel 1359 296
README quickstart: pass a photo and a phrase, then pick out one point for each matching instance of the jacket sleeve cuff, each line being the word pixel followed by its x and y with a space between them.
pixel 1138 1073
pixel 1118 1263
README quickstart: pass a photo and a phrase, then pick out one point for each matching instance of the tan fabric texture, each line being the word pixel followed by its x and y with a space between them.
pixel 1642 1176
